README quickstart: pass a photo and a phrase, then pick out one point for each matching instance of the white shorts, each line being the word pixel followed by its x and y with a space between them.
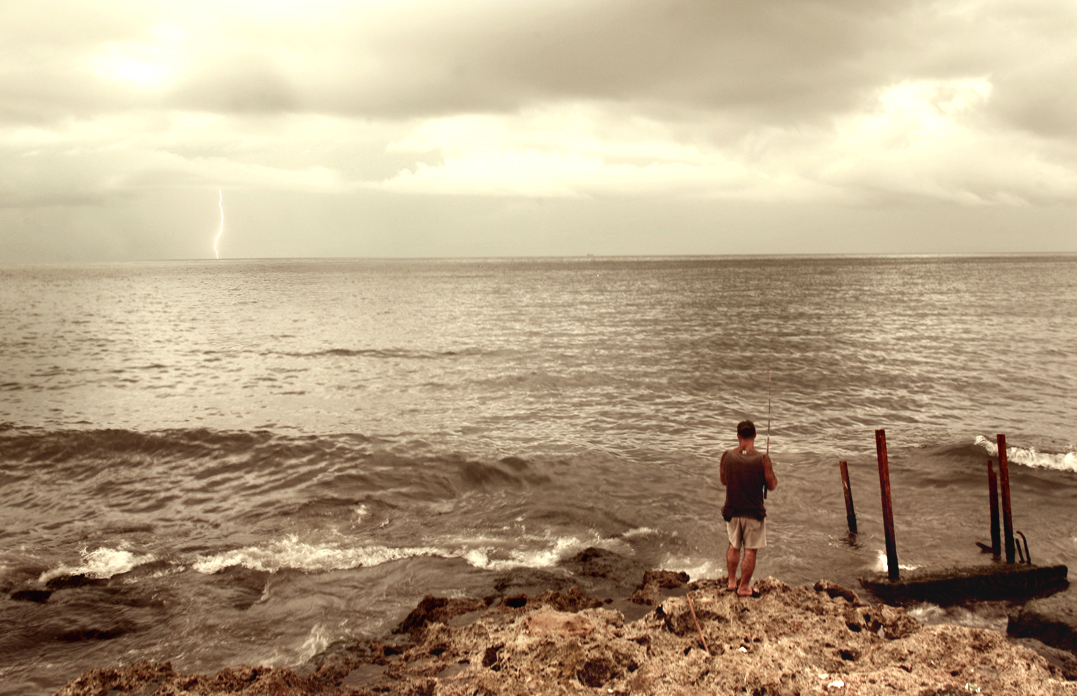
pixel 747 532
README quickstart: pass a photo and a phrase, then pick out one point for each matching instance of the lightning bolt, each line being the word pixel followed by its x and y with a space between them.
pixel 220 204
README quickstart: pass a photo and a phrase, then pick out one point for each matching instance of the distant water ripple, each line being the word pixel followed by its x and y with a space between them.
pixel 218 463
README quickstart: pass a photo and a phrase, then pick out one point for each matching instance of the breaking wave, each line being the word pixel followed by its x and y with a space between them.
pixel 1032 457
pixel 101 564
pixel 291 553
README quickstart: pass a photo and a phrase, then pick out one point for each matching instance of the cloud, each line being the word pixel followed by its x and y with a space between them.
pixel 91 161
pixel 854 104
pixel 926 139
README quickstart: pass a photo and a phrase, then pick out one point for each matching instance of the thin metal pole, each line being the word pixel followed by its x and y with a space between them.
pixel 992 484
pixel 888 510
pixel 850 515
pixel 1004 484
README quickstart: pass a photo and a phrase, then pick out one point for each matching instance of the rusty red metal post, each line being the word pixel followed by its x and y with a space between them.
pixel 992 485
pixel 1004 484
pixel 888 510
pixel 850 515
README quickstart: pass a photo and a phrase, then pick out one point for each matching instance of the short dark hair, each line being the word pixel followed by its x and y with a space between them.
pixel 746 429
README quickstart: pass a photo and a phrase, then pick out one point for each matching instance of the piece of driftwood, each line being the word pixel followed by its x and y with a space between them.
pixel 978 583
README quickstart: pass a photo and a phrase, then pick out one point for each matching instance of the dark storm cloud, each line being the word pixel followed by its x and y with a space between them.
pixel 783 61
pixel 236 84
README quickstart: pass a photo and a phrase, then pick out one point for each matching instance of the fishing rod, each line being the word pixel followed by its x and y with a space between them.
pixel 769 390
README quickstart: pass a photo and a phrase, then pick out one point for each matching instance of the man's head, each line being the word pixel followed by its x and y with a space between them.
pixel 745 430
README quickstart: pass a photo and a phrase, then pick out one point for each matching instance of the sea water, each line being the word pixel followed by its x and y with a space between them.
pixel 247 461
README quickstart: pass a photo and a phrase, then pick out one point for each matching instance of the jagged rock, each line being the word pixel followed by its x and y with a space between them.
pixel 67 582
pixel 550 621
pixel 439 609
pixel 38 596
pixel 835 590
pixel 790 640
pixel 573 599
pixel 1063 661
pixel 1052 620
pixel 650 591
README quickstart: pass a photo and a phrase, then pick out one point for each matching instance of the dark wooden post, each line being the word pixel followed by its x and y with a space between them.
pixel 850 515
pixel 888 510
pixel 1004 484
pixel 992 485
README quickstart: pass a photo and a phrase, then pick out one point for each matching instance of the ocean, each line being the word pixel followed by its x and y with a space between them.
pixel 218 463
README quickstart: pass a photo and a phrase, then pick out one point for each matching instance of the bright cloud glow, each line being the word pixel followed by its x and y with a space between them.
pixel 832 106
pixel 122 65
pixel 929 139
pixel 926 138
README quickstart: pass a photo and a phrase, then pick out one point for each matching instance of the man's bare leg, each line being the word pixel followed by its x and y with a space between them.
pixel 746 570
pixel 732 559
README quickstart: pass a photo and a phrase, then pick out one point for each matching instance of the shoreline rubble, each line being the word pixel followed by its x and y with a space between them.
pixel 789 641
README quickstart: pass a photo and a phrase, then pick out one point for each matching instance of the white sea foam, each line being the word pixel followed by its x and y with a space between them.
pixel 639 532
pixel 546 552
pixel 1030 456
pixel 989 616
pixel 696 570
pixel 488 559
pixel 317 641
pixel 299 555
pixel 486 553
pixel 101 563
pixel 881 565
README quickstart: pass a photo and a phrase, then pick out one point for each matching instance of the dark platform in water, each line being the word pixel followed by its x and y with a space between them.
pixel 978 583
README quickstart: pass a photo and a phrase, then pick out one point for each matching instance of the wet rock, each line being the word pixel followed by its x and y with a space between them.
pixel 600 563
pixel 67 582
pixel 1052 620
pixel 531 581
pixel 439 609
pixel 1063 662
pixel 572 599
pixel 835 590
pixel 116 630
pixel 38 596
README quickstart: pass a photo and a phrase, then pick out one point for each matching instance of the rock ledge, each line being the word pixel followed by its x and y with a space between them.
pixel 789 641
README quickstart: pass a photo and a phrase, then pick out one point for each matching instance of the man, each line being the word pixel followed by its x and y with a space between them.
pixel 745 472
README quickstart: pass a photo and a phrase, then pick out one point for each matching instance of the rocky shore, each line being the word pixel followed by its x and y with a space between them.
pixel 669 637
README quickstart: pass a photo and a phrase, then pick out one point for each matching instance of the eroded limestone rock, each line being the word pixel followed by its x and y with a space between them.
pixel 790 640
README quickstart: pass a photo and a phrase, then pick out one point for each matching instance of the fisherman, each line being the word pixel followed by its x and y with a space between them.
pixel 745 474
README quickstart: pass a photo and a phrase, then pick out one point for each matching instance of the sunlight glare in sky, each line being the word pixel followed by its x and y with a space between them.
pixel 139 65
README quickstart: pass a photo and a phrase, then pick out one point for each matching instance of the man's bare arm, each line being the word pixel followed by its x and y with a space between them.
pixel 721 467
pixel 768 473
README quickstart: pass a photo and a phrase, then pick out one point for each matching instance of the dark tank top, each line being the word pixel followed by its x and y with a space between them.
pixel 744 483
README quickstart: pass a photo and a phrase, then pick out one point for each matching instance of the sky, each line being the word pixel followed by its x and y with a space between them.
pixel 447 128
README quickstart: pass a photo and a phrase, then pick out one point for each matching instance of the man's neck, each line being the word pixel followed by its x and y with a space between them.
pixel 747 446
